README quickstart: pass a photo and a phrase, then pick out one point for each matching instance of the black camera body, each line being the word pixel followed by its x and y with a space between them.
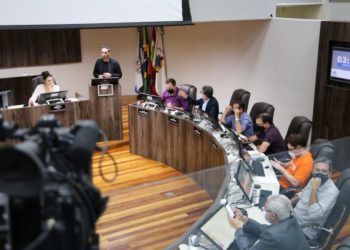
pixel 47 199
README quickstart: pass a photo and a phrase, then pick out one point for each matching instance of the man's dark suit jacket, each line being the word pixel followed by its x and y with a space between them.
pixel 212 108
pixel 286 235
pixel 113 68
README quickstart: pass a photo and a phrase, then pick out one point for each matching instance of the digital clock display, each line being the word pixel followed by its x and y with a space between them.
pixel 340 67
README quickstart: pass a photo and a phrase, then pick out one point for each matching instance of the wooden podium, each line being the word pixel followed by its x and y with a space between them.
pixel 106 109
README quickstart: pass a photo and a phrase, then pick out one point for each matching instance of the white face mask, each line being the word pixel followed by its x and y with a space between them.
pixel 291 154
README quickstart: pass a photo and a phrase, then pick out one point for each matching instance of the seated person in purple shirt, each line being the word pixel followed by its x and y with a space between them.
pixel 171 98
pixel 268 137
pixel 239 120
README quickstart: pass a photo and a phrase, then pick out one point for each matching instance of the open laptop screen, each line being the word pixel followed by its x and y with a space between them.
pixel 245 180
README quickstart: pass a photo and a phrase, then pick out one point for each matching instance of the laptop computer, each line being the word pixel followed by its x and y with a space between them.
pixel 245 182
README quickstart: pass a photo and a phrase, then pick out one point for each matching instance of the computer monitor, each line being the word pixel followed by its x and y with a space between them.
pixel 152 98
pixel 340 64
pixel 44 97
pixel 100 81
pixel 245 180
pixel 6 98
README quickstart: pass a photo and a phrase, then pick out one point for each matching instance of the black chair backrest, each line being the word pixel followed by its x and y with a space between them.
pixel 190 90
pixel 37 80
pixel 338 216
pixel 322 148
pixel 241 95
pixel 259 108
pixel 345 175
pixel 299 125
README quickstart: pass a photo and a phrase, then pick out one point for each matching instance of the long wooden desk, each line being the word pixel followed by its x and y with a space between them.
pixel 105 110
pixel 28 117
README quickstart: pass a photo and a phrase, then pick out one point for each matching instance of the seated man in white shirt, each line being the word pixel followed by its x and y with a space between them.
pixel 316 201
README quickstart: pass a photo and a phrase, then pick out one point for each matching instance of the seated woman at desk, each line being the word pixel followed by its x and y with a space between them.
pixel 47 86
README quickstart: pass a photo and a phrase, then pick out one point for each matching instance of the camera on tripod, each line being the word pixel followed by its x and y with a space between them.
pixel 47 199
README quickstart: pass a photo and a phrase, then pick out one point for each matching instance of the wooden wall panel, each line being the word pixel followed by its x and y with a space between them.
pixel 331 116
pixel 22 48
pixel 21 86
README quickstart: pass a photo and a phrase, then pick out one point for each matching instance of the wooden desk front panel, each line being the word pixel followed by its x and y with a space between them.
pixel 107 112
pixel 29 116
pixel 177 145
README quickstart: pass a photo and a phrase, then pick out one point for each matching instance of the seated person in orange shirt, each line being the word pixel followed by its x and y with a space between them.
pixel 298 171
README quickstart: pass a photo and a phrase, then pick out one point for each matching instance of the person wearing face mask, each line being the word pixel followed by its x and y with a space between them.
pixel 171 97
pixel 298 171
pixel 283 233
pixel 240 121
pixel 207 103
pixel 269 136
pixel 315 202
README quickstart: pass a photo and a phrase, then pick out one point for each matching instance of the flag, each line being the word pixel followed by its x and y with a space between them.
pixel 150 62
pixel 139 73
pixel 159 61
pixel 145 61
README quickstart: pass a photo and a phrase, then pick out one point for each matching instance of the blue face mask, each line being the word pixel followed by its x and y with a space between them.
pixel 323 177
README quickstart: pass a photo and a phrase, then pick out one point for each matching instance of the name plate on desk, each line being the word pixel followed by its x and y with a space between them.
pixel 143 112
pixel 58 107
pixel 173 120
pixel 197 132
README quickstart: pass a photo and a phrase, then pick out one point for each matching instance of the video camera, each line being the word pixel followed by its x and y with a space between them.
pixel 47 199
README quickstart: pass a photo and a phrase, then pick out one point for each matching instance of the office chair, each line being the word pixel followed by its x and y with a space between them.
pixel 322 148
pixel 191 90
pixel 241 95
pixel 38 80
pixel 336 219
pixel 299 125
pixel 259 108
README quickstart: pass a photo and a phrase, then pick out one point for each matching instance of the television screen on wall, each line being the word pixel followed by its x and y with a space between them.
pixel 340 64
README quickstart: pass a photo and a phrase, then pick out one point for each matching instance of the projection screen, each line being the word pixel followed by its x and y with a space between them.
pixel 41 14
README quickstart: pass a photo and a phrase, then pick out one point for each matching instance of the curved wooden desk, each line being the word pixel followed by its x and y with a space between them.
pixel 177 142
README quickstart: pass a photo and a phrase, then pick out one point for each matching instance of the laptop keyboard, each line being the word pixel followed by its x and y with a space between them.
pixel 258 168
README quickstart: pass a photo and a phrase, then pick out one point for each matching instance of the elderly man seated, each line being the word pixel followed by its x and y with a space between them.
pixel 283 233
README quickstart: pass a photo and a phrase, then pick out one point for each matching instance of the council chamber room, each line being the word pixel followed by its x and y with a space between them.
pixel 171 124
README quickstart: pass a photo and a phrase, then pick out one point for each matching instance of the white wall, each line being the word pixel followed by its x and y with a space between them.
pixel 275 60
pixel 337 10
pixel 224 10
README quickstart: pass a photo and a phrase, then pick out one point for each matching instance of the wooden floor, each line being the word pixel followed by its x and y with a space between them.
pixel 150 204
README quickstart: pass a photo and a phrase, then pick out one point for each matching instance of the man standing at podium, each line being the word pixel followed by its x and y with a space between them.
pixel 106 66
